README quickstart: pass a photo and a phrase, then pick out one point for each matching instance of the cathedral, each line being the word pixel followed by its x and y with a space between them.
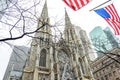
pixel 65 59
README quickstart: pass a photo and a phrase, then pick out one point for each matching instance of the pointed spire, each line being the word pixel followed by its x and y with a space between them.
pixel 68 23
pixel 44 13
pixel 45 31
pixel 69 31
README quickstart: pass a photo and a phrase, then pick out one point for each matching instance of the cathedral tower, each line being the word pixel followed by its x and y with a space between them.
pixel 64 60
pixel 40 60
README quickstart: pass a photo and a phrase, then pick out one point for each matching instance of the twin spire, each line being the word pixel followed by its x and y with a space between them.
pixel 69 31
pixel 44 15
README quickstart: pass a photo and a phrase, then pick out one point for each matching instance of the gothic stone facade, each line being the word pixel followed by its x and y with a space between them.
pixel 64 60
pixel 105 68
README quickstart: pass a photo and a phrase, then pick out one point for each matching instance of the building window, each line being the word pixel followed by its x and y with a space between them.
pixel 110 74
pixel 114 73
pixel 80 78
pixel 81 64
pixel 74 57
pixel 111 67
pixel 56 77
pixel 100 73
pixel 96 74
pixel 11 78
pixel 71 34
pixel 42 77
pixel 102 78
pixel 106 77
pixel 103 71
pixel 117 78
pixel 107 69
pixel 42 61
pixel 116 65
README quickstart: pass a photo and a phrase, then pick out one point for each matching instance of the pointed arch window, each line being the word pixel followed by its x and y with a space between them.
pixel 42 61
pixel 67 34
pixel 71 32
pixel 81 64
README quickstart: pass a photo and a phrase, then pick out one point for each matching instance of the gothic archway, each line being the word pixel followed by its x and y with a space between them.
pixel 42 61
pixel 65 66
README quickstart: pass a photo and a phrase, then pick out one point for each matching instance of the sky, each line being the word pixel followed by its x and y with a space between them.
pixel 83 18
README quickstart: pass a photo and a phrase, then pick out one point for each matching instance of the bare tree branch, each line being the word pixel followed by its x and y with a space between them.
pixel 26 33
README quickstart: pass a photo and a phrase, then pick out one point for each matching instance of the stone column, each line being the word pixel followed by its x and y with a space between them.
pixel 78 63
pixel 35 77
pixel 56 59
pixel 52 63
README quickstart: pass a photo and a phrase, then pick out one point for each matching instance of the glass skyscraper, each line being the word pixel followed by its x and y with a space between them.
pixel 16 63
pixel 103 40
pixel 111 37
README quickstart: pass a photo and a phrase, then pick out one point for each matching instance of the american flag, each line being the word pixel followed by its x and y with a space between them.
pixel 111 16
pixel 76 4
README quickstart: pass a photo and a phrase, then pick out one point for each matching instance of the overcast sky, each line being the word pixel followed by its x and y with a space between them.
pixel 84 18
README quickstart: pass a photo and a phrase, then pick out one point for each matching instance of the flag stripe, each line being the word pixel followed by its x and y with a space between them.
pixel 115 13
pixel 113 25
pixel 113 20
pixel 79 3
pixel 118 25
pixel 85 1
pixel 82 2
pixel 111 9
pixel 69 3
pixel 76 4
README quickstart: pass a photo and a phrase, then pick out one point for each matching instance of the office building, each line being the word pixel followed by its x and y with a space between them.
pixel 107 67
pixel 16 63
pixel 100 40
pixel 111 37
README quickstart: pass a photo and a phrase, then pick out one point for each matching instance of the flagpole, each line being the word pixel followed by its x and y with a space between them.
pixel 100 5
